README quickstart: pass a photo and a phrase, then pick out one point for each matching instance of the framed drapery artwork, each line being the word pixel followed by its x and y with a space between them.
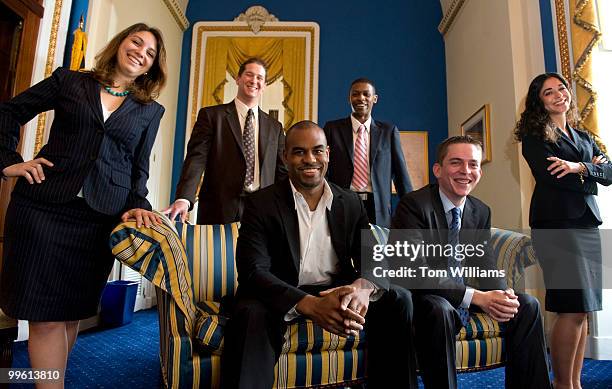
pixel 414 146
pixel 478 126
pixel 290 49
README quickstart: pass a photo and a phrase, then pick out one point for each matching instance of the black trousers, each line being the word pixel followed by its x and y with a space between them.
pixel 254 337
pixel 437 323
pixel 367 199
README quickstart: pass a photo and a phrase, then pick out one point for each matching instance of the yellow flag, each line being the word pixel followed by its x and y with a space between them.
pixel 79 47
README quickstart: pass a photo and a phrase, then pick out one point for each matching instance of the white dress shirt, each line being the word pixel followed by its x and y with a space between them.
pixel 318 260
pixel 356 123
pixel 448 206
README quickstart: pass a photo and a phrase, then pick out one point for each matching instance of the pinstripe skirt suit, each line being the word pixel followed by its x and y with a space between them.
pixel 56 257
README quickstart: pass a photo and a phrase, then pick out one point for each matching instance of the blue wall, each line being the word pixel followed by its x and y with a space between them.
pixel 395 43
pixel 548 36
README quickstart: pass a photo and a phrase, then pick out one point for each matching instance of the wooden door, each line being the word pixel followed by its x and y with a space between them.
pixel 19 23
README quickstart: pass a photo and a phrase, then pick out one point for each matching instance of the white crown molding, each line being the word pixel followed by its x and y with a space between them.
pixel 449 16
pixel 256 16
pixel 177 13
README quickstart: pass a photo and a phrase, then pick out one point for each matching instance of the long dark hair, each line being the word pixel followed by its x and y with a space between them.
pixel 535 120
pixel 145 87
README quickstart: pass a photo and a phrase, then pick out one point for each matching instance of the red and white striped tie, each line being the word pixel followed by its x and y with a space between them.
pixel 360 162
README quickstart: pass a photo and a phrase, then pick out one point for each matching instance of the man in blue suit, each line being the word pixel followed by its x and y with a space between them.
pixel 366 155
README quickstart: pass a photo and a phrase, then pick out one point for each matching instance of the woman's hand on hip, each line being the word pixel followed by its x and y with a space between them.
pixel 30 170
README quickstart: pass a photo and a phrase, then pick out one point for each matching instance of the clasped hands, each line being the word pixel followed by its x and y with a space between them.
pixel 339 310
pixel 501 305
pixel 561 167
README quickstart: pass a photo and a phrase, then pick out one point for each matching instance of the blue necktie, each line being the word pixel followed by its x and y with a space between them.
pixel 453 239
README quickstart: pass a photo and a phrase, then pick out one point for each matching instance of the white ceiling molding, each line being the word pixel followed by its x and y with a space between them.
pixel 256 16
pixel 450 12
pixel 178 12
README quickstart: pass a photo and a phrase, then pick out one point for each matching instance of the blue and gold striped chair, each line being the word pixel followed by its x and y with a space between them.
pixel 193 267
pixel 480 345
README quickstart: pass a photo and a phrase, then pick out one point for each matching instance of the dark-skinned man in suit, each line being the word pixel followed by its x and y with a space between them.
pixel 299 255
pixel 366 154
pixel 239 149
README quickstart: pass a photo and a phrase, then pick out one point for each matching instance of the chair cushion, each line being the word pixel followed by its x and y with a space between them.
pixel 481 326
pixel 303 335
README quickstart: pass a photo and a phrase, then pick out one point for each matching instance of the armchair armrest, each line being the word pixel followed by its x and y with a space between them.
pixel 514 253
pixel 159 256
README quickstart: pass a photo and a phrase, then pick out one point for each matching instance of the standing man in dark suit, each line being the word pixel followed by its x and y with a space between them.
pixel 366 155
pixel 238 147
pixel 299 255
pixel 442 306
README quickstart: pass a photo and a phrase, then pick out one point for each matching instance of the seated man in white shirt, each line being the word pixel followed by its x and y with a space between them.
pixel 299 255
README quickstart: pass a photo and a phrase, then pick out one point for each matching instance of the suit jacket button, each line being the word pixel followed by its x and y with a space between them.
pixel 93 156
pixel 100 131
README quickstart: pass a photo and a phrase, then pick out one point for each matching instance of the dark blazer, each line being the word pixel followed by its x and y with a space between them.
pixel 387 162
pixel 423 210
pixel 215 148
pixel 268 252
pixel 564 198
pixel 109 160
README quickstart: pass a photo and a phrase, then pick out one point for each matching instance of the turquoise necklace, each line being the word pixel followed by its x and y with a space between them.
pixel 118 94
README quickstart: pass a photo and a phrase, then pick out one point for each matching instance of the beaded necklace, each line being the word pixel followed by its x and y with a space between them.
pixel 118 94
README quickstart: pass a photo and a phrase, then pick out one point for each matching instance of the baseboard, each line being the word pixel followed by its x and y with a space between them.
pixel 599 347
pixel 144 303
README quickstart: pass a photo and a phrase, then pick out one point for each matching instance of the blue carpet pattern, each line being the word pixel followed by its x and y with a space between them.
pixel 127 357
pixel 122 357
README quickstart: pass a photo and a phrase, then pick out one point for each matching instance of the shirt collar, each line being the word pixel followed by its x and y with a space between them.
pixel 327 198
pixel 243 109
pixel 448 205
pixel 356 123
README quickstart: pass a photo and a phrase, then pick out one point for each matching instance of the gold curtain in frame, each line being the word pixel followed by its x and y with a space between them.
pixel 284 56
pixel 585 36
pixel 294 79
pixel 215 66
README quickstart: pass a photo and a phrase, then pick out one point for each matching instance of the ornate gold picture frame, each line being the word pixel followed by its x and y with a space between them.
pixel 291 50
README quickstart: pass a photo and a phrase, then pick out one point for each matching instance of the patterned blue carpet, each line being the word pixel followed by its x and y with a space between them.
pixel 127 357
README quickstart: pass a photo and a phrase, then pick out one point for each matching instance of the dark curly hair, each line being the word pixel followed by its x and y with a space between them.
pixel 146 87
pixel 535 120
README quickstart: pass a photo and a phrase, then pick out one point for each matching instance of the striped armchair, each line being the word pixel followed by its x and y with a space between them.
pixel 193 267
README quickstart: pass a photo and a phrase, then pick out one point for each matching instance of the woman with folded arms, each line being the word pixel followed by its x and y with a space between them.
pixel 90 175
pixel 567 165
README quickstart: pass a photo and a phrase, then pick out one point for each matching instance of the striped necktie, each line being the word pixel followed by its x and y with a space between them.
pixel 453 239
pixel 360 161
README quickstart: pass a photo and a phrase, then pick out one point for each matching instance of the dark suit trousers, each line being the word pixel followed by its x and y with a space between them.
pixel 254 338
pixel 437 323
pixel 368 204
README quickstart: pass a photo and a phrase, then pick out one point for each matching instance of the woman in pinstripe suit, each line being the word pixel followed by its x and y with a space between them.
pixel 91 173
